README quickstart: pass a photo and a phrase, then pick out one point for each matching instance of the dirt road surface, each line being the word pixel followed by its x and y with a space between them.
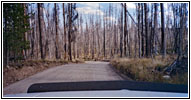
pixel 88 71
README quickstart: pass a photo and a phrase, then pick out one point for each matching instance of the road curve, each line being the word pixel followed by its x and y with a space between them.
pixel 88 71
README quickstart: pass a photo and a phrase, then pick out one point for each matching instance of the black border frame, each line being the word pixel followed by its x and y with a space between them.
pixel 87 97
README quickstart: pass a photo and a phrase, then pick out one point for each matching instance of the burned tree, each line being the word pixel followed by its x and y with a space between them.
pixel 40 31
pixel 163 36
pixel 72 16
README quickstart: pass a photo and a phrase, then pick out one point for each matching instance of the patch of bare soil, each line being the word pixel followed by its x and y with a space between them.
pixel 23 69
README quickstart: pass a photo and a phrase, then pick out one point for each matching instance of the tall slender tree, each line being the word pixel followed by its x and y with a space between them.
pixel 125 30
pixel 104 38
pixel 139 34
pixel 142 30
pixel 56 29
pixel 163 36
pixel 121 34
pixel 69 31
pixel 64 23
pixel 40 31
pixel 146 30
pixel 155 29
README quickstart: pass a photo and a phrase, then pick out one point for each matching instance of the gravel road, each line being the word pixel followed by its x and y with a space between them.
pixel 88 71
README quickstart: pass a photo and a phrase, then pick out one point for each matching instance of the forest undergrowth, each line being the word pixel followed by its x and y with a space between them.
pixel 149 70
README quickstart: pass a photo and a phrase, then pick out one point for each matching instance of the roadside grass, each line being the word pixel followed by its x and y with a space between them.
pixel 147 69
pixel 101 58
pixel 78 61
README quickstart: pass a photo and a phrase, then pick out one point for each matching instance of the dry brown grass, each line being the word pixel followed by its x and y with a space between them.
pixel 147 69
pixel 78 61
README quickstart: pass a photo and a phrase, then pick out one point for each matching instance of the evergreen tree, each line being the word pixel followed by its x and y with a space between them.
pixel 14 28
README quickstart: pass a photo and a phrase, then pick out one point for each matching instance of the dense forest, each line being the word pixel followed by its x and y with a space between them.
pixel 58 31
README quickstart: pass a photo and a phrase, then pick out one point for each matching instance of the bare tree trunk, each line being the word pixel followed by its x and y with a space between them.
pixel 125 30
pixel 129 39
pixel 32 35
pixel 182 28
pixel 56 25
pixel 104 38
pixel 40 31
pixel 139 35
pixel 155 30
pixel 163 36
pixel 142 29
pixel 151 42
pixel 115 39
pixel 74 49
pixel 98 40
pixel 25 52
pixel 93 33
pixel 64 32
pixel 69 31
pixel 146 30
pixel 121 35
